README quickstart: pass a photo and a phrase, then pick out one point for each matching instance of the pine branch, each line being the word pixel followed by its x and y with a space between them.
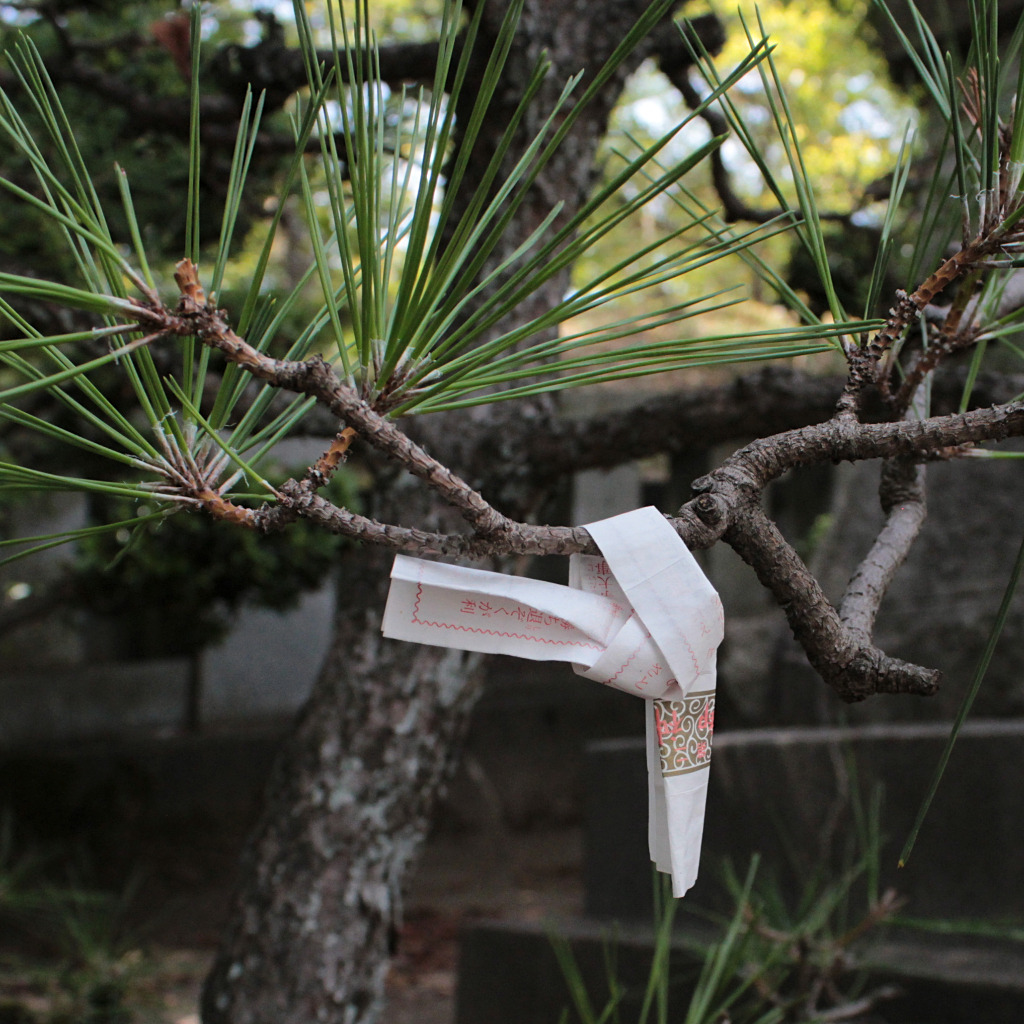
pixel 853 668
pixel 727 505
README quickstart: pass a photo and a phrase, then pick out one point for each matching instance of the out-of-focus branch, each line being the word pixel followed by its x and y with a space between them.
pixel 271 68
pixel 765 402
pixel 734 208
pixel 903 500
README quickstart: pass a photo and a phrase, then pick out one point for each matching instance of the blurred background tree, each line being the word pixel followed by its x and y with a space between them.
pixel 129 85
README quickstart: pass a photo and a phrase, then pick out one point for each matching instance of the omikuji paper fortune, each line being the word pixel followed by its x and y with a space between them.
pixel 641 617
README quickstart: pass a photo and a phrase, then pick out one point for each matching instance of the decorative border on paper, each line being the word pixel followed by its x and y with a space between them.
pixel 684 732
pixel 498 610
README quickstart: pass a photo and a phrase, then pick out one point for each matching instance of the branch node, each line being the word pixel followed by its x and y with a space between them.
pixel 220 508
pixel 186 276
pixel 710 508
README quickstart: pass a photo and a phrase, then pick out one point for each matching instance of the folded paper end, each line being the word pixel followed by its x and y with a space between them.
pixel 676 799
pixel 641 617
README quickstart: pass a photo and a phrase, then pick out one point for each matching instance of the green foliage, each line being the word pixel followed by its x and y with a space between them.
pixel 773 962
pixel 414 291
pixel 973 98
pixel 18 871
pixel 776 959
pixel 173 583
pixel 96 956
pixel 116 136
pixel 411 304
pixel 850 120
pixel 134 114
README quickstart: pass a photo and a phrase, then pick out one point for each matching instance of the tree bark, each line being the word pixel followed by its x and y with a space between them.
pixel 347 808
pixel 318 905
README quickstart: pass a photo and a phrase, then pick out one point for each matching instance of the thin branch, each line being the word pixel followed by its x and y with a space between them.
pixel 839 649
pixel 907 310
pixel 327 465
pixel 903 500
pixel 853 668
pixel 314 377
pixel 1000 233
pixel 302 502
pixel 727 505
pixel 839 440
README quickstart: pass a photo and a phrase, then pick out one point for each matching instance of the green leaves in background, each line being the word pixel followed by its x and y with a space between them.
pixel 417 306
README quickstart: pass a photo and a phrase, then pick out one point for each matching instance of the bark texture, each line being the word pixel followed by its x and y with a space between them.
pixel 319 899
pixel 347 808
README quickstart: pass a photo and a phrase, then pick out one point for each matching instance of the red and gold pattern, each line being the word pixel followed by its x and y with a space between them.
pixel 684 732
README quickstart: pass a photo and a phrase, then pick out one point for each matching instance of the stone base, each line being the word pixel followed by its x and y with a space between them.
pixel 795 797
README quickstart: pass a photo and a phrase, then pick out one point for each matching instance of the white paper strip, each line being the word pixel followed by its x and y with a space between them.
pixel 675 669
pixel 475 610
pixel 643 618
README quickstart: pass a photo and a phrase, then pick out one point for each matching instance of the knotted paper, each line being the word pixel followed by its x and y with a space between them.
pixel 641 617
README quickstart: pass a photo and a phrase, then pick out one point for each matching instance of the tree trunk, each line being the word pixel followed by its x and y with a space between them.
pixel 348 807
